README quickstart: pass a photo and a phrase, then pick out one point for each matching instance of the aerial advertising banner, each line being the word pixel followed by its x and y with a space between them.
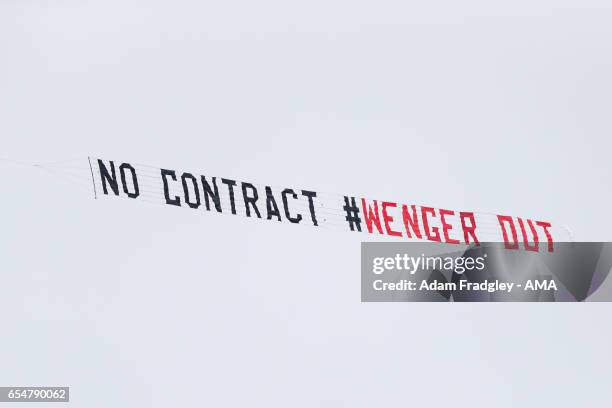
pixel 427 253
pixel 214 194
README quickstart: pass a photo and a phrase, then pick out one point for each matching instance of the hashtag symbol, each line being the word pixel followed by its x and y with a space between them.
pixel 352 213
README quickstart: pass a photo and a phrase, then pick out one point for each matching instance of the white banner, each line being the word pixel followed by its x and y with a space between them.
pixel 214 194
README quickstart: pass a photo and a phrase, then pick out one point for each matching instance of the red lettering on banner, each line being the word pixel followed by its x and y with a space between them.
pixel 388 219
pixel 506 219
pixel 432 233
pixel 468 229
pixel 371 216
pixel 411 222
pixel 446 226
pixel 410 217
pixel 528 246
pixel 545 225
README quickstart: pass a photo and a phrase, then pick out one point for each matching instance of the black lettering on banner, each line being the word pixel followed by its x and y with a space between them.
pixel 230 186
pixel 271 207
pixel 136 192
pixel 196 190
pixel 250 200
pixel 209 193
pixel 107 178
pixel 298 218
pixel 311 195
pixel 172 201
pixel 352 213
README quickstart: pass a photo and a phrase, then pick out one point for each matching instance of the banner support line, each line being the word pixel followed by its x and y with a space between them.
pixel 92 178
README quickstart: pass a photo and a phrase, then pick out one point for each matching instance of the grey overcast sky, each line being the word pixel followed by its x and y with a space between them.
pixel 491 106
